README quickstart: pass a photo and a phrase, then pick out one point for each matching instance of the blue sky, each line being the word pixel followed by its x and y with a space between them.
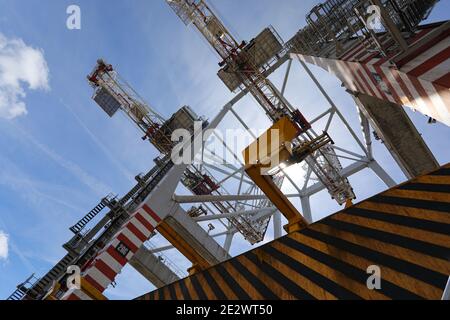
pixel 59 159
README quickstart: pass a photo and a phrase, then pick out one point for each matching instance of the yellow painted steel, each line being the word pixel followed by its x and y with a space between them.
pixel 348 203
pixel 86 287
pixel 274 143
pixel 91 291
pixel 413 257
pixel 271 190
pixel 51 294
pixel 198 262
pixel 267 152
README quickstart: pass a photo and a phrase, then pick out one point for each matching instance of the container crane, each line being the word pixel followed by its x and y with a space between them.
pixel 242 67
pixel 113 93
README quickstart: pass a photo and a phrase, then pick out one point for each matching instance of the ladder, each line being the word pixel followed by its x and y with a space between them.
pixel 40 287
pixel 79 226
pixel 23 288
pixel 36 289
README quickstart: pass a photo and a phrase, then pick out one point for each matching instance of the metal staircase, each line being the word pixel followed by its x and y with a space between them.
pixel 40 287
pixel 23 288
pixel 91 215
pixel 85 244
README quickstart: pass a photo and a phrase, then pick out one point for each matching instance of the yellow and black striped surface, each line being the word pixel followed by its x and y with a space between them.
pixel 405 231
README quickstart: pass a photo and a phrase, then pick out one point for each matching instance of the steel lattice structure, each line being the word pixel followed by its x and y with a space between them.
pixel 221 192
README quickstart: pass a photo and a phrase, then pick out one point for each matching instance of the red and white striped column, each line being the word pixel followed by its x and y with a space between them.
pixel 420 80
pixel 108 263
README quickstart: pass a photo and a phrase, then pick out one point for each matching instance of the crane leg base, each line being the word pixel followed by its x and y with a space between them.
pixel 194 269
pixel 296 224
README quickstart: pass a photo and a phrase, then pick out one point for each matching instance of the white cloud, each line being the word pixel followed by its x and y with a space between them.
pixel 92 182
pixel 3 245
pixel 20 66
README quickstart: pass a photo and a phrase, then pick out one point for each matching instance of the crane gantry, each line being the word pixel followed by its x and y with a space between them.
pixel 112 93
pixel 102 245
pixel 243 66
